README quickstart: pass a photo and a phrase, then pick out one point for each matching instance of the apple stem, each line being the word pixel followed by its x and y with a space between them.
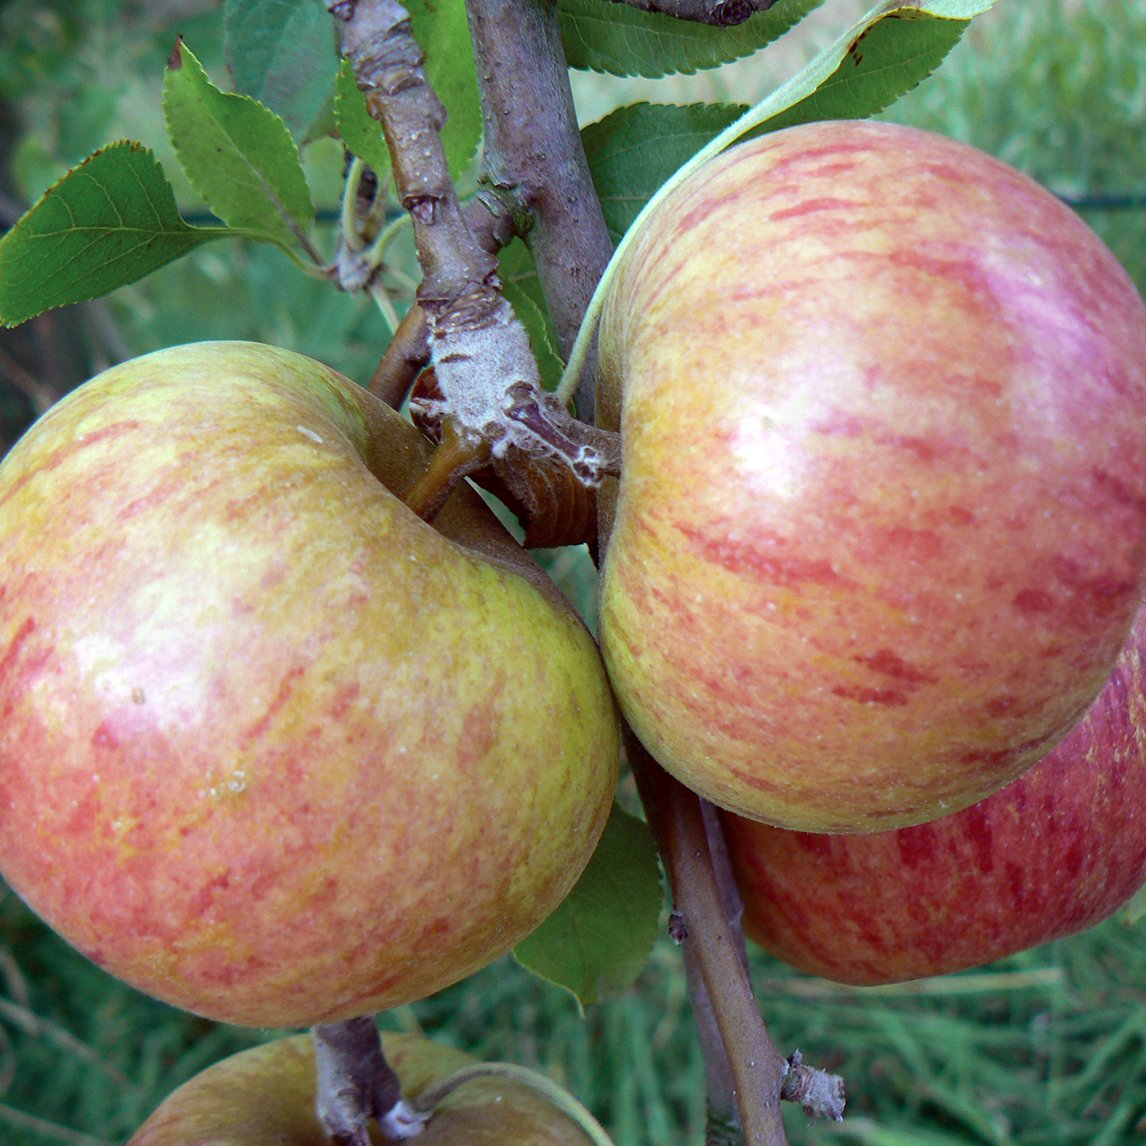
pixel 407 352
pixel 427 1100
pixel 355 1084
pixel 457 455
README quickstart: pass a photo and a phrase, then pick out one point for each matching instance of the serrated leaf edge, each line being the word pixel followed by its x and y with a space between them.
pixel 804 83
pixel 297 227
pixel 202 234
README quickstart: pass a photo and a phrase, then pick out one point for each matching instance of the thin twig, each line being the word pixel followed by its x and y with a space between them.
pixel 538 159
pixel 376 37
pixel 746 1080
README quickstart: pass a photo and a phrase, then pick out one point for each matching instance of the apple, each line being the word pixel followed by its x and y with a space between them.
pixel 1055 852
pixel 272 748
pixel 266 1097
pixel 881 525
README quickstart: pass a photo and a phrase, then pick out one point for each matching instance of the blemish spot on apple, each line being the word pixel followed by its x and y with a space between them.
pixel 313 435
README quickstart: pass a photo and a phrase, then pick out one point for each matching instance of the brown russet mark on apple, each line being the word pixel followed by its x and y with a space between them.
pixel 1001 757
pixel 979 833
pixel 286 686
pixel 889 663
pixel 1117 488
pixel 750 558
pixel 812 207
pixel 965 273
pixel 344 700
pixel 1034 601
pixel 848 424
pixel 480 729
pixel 104 737
pixel 837 159
pixel 753 779
pixel 708 207
pixel 890 697
pixel 66 452
pixel 1001 705
pixel 915 846
pixel 1105 591
pixel 14 657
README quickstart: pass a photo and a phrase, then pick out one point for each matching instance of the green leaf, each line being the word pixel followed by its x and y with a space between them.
pixel 597 941
pixel 282 53
pixel 109 222
pixel 895 45
pixel 886 60
pixel 522 288
pixel 443 33
pixel 237 154
pixel 604 36
pixel 633 150
pixel 361 133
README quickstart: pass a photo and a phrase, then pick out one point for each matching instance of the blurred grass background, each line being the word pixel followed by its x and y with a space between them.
pixel 1045 1049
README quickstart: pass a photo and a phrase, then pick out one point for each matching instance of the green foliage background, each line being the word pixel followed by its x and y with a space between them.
pixel 1046 1048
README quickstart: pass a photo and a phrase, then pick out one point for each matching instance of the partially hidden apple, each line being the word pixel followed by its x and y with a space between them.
pixel 266 1097
pixel 272 748
pixel 1055 852
pixel 881 526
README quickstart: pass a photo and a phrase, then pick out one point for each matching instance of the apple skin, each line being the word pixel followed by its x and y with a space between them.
pixel 265 1097
pixel 1053 853
pixel 880 529
pixel 273 749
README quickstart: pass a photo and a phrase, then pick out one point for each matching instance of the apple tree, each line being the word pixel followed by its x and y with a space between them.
pixel 505 246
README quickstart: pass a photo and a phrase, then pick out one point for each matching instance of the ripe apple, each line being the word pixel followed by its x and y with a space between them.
pixel 265 1097
pixel 881 526
pixel 1056 851
pixel 272 748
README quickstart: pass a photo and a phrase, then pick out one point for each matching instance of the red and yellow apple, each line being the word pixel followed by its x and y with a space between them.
pixel 272 748
pixel 1055 852
pixel 266 1097
pixel 881 526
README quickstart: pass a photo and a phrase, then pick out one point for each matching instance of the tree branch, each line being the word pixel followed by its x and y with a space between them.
pixel 537 157
pixel 745 1070
pixel 375 36
pixel 493 225
pixel 720 13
